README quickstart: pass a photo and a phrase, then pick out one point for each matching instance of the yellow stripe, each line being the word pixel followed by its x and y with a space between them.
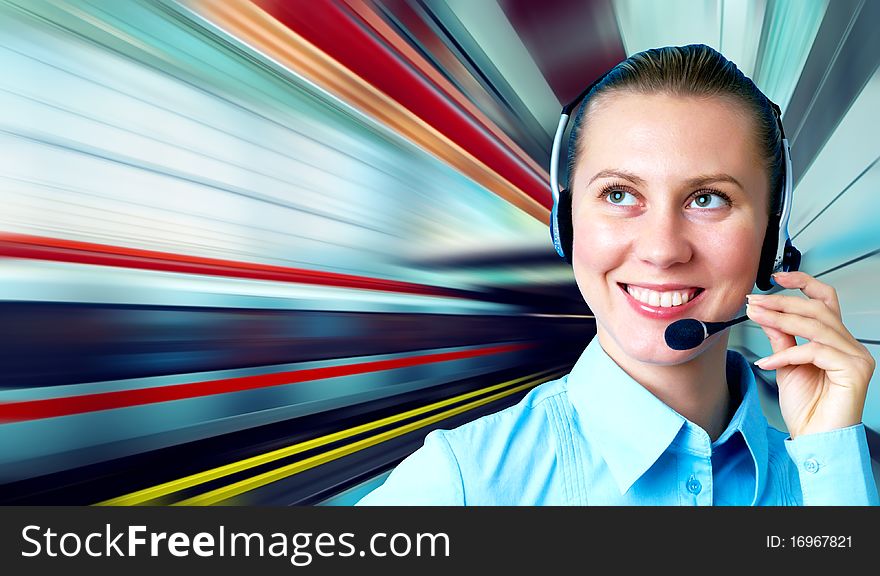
pixel 248 484
pixel 148 494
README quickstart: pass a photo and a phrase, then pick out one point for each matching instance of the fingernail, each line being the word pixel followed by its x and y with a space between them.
pixel 755 297
pixel 759 360
pixel 773 280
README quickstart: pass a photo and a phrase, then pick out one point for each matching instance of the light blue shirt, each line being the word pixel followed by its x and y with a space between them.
pixel 597 437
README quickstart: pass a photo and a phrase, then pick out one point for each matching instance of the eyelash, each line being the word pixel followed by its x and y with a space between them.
pixel 618 187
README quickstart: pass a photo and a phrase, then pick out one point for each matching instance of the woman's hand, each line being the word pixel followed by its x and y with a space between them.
pixel 822 383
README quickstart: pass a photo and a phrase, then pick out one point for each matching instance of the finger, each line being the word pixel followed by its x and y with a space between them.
pixel 811 287
pixel 796 325
pixel 779 340
pixel 807 307
pixel 825 357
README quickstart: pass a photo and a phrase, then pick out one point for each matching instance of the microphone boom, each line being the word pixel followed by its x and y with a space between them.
pixel 689 333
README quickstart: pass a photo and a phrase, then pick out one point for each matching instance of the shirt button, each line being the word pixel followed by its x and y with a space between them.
pixel 693 485
pixel 811 465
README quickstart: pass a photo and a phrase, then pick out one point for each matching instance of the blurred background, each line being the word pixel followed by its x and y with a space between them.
pixel 253 252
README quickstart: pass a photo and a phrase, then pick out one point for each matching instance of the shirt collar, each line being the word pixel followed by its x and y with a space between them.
pixel 749 419
pixel 632 428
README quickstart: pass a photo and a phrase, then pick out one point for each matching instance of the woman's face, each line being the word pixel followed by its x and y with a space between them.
pixel 669 210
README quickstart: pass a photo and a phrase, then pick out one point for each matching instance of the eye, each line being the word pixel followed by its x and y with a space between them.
pixel 709 200
pixel 620 197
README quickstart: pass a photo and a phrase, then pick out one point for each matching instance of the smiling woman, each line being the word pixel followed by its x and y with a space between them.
pixel 655 240
pixel 678 199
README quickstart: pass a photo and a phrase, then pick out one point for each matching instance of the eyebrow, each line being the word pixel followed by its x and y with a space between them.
pixel 701 180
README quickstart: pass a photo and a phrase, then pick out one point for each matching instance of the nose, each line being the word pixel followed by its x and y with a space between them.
pixel 663 239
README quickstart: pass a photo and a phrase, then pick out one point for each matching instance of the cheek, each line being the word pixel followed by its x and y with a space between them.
pixel 599 247
pixel 733 252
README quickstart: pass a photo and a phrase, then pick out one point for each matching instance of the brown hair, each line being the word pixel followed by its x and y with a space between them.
pixel 693 70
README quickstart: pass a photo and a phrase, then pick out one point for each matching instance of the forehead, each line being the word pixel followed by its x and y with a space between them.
pixel 652 133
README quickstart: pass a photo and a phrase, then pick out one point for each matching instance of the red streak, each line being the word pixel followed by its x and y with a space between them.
pixel 59 250
pixel 53 407
pixel 340 33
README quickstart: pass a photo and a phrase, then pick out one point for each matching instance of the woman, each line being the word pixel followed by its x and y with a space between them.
pixel 676 170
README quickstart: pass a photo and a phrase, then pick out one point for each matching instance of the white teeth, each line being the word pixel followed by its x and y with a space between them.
pixel 661 299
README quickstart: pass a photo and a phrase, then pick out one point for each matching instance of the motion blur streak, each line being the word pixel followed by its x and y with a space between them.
pixel 80 404
pixel 371 16
pixel 337 30
pixel 226 493
pixel 206 255
pixel 151 494
pixel 229 229
pixel 52 249
pixel 428 121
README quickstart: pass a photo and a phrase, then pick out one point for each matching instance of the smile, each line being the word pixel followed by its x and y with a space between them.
pixel 663 301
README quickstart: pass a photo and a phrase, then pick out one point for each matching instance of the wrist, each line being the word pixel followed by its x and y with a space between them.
pixel 822 428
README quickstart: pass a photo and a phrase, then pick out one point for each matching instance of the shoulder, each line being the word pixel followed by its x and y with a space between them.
pixel 430 476
pixel 526 417
pixel 464 464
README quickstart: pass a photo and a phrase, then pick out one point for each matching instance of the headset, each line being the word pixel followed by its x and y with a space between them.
pixel 777 253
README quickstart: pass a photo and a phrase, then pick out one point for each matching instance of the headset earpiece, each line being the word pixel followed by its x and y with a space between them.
pixel 792 258
pixel 768 254
pixel 778 254
pixel 561 229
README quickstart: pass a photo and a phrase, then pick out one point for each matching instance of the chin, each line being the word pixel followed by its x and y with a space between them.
pixel 649 347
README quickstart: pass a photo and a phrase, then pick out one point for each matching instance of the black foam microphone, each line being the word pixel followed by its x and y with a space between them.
pixel 690 333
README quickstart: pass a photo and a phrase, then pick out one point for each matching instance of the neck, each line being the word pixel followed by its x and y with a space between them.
pixel 696 389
